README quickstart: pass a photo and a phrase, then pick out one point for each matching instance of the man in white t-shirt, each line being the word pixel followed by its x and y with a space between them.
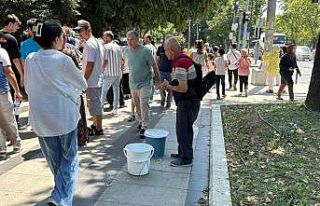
pixel 112 70
pixel 6 107
pixel 232 56
pixel 92 65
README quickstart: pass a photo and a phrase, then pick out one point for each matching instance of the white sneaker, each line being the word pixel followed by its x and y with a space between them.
pixel 17 147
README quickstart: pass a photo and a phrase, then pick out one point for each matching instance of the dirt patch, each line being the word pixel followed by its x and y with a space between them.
pixel 273 154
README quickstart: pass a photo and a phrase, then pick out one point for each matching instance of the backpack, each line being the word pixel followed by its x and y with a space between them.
pixel 202 84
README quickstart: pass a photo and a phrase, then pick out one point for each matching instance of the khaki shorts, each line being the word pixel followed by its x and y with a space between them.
pixel 93 101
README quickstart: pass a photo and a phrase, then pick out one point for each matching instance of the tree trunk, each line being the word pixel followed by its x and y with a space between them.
pixel 313 98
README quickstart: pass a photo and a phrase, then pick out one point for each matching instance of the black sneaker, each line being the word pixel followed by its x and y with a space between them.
pixel 180 163
pixel 92 130
pixel 141 134
pixel 98 132
pixel 139 127
pixel 175 155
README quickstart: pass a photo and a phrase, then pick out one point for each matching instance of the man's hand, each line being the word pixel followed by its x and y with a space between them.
pixel 299 72
pixel 18 96
pixel 164 85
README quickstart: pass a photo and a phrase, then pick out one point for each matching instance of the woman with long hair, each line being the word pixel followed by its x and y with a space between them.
pixel 200 54
pixel 288 64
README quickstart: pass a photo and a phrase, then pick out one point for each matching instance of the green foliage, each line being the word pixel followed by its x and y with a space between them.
pixel 300 21
pixel 121 15
pixel 63 10
pixel 220 19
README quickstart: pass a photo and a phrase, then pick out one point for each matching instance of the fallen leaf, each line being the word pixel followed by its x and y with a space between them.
pixel 300 131
pixel 278 151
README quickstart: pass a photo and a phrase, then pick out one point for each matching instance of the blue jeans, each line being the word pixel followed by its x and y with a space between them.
pixel 61 155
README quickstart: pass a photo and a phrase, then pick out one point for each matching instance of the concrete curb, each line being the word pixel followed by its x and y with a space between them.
pixel 219 186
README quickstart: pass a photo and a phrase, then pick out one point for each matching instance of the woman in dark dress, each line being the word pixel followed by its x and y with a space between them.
pixel 288 64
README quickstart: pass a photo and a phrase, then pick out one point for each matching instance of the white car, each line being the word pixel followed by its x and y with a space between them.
pixel 303 53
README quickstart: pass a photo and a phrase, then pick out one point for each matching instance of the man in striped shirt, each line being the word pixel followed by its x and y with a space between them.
pixel 112 70
pixel 186 98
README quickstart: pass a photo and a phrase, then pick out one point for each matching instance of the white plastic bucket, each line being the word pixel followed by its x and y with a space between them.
pixel 138 158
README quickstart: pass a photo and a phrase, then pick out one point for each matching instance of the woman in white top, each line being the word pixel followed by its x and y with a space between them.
pixel 54 85
pixel 221 66
pixel 200 55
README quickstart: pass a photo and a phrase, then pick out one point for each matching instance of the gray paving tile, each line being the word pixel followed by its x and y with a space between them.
pixel 156 178
pixel 144 195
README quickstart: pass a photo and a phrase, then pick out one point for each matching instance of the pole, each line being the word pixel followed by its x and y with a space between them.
pixel 240 28
pixel 245 27
pixel 271 15
pixel 189 33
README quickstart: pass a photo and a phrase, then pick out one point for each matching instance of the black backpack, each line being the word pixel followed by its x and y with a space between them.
pixel 203 84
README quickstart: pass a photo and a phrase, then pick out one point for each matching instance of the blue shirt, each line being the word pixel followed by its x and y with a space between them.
pixel 28 46
pixel 139 64
pixel 4 61
pixel 4 85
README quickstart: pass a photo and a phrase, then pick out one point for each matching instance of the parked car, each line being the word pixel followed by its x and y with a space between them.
pixel 303 53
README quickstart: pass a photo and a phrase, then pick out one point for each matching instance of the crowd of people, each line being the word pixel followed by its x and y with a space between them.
pixel 64 76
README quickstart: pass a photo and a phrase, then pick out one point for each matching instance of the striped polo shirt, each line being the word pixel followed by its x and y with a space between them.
pixel 184 69
pixel 113 56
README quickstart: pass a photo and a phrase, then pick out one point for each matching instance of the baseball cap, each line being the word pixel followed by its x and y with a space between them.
pixel 82 24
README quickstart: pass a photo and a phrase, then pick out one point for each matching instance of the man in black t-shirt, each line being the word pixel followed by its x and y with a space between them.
pixel 11 25
pixel 165 68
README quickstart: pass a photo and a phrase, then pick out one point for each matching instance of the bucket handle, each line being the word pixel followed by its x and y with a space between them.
pixel 125 152
pixel 146 162
pixel 151 153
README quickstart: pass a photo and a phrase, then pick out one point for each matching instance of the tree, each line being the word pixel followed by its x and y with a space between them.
pixel 63 10
pixel 300 21
pixel 313 98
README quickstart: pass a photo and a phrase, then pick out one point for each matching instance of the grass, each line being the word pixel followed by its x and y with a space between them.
pixel 273 154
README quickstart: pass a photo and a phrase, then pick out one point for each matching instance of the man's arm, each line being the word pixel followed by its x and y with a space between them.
pixel 19 67
pixel 89 69
pixel 182 87
pixel 156 74
pixel 13 81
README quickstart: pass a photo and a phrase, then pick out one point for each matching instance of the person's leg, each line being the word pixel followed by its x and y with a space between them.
pixel 6 107
pixel 66 177
pixel 107 82
pixel 290 87
pixel 218 86
pixel 144 103
pixel 281 88
pixel 223 85
pixel 136 102
pixel 230 78
pixel 116 92
pixel 236 76
pixel 122 104
pixel 162 91
pixel 51 148
pixel 241 83
pixel 187 112
pixel 245 79
pixel 169 92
